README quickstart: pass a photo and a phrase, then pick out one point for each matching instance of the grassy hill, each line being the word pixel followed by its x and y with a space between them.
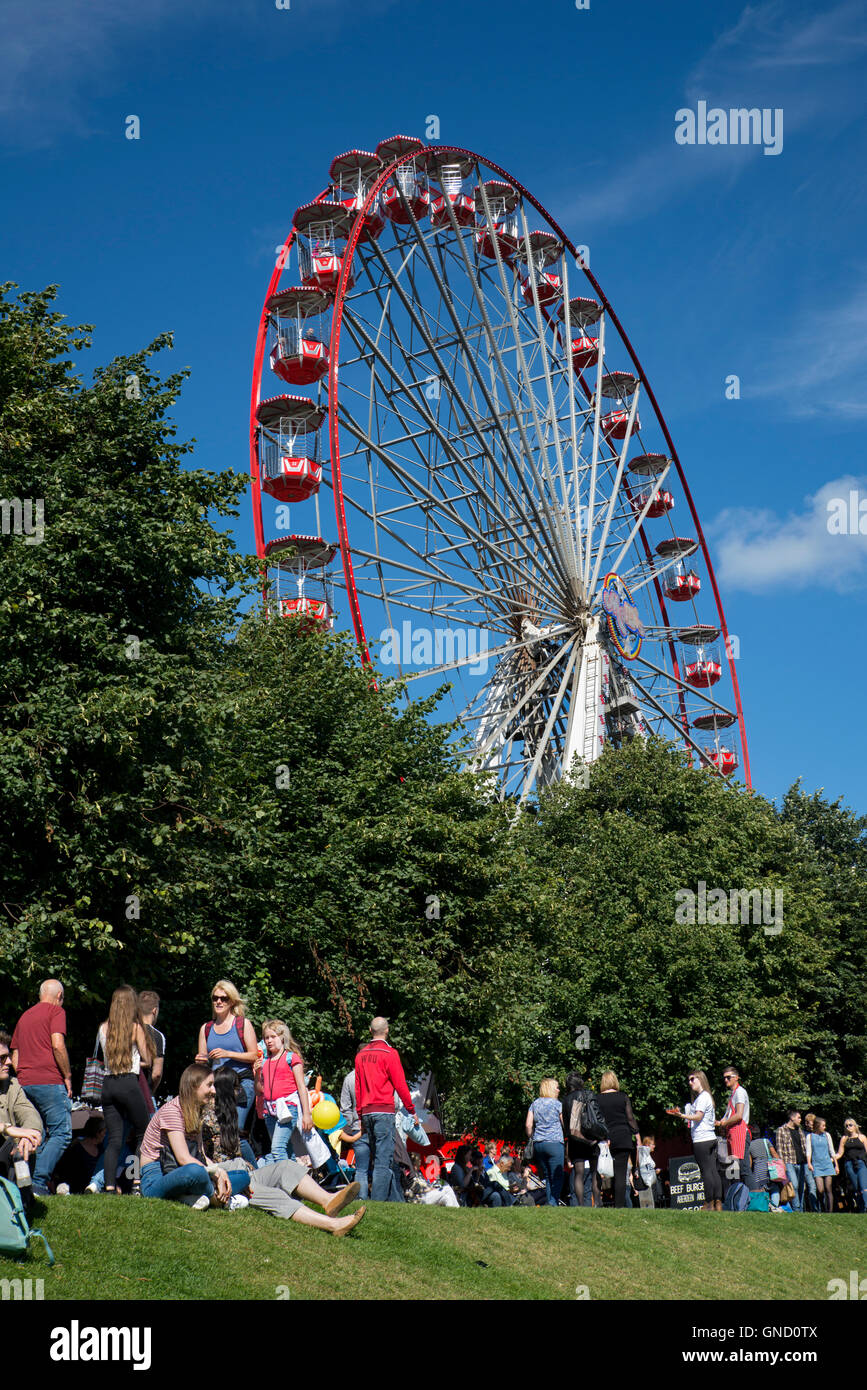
pixel 110 1248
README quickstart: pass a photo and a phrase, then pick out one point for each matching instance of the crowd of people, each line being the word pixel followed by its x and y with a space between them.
pixel 242 1131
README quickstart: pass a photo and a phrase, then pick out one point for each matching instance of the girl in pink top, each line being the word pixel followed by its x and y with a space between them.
pixel 284 1093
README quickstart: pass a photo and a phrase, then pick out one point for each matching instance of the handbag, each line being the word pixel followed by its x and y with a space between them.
pixel 168 1162
pixel 776 1166
pixel 529 1150
pixel 605 1163
pixel 722 1151
pixel 94 1075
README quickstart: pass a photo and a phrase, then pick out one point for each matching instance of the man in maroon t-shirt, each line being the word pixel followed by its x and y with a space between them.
pixel 41 1063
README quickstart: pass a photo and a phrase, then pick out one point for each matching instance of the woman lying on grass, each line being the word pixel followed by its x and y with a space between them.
pixel 275 1187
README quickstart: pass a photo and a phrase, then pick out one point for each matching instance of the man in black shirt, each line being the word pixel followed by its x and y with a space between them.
pixel 149 1005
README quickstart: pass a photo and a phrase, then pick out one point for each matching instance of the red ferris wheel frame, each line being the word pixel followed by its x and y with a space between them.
pixel 333 428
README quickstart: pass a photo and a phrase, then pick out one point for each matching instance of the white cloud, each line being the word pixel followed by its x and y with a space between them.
pixel 769 36
pixel 758 550
pixel 819 364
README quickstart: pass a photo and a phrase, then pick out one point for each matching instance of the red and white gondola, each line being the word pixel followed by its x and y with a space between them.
pixel 502 230
pixel 353 175
pixel 541 251
pixel 618 386
pixel 322 229
pixel 452 174
pixel 702 665
pixel 721 755
pixel 299 328
pixel 290 447
pixel 409 180
pixel 300 564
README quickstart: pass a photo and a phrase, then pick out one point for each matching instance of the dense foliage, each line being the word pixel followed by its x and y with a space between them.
pixel 187 793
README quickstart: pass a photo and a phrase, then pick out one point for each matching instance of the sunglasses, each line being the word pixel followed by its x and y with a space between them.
pixel 220 998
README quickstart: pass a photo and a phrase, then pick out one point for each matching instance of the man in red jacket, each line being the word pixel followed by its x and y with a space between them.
pixel 378 1074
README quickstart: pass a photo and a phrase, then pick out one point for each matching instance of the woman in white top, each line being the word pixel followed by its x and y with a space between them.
pixel 700 1115
pixel 124 1042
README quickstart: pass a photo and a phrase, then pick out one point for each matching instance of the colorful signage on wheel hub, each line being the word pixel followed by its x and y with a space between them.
pixel 625 627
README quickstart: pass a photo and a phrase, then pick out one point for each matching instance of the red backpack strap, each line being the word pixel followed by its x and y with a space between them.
pixel 239 1029
pixel 208 1026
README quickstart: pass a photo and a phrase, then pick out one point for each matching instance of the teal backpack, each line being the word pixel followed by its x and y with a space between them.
pixel 759 1201
pixel 15 1233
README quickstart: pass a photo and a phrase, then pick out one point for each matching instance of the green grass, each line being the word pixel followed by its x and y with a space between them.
pixel 110 1248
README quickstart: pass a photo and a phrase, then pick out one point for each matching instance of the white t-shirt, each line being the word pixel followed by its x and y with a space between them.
pixel 702 1105
pixel 740 1097
pixel 135 1064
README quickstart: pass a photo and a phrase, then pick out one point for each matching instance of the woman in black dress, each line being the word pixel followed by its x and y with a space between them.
pixel 622 1130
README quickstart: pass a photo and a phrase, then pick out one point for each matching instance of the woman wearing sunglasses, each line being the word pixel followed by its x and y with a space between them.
pixel 853 1152
pixel 700 1115
pixel 229 1039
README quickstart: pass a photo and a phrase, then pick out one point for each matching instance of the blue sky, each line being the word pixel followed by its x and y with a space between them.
pixel 719 260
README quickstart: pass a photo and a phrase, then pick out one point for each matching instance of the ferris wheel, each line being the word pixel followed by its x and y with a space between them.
pixel 454 445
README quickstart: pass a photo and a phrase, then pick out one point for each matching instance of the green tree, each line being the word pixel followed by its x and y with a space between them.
pixel 836 841
pixel 658 995
pixel 109 631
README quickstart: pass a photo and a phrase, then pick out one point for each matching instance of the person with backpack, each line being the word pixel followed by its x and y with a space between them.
pixel 584 1126
pixel 230 1037
pixel 622 1127
pixel 700 1116
pixel 284 1093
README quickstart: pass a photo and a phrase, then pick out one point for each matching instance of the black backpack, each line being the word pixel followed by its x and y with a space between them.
pixel 586 1120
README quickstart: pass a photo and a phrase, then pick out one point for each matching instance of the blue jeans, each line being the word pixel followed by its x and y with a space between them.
pixel 362 1164
pixel 378 1130
pixel 795 1174
pixel 281 1137
pixel 249 1088
pixel 55 1107
pixel 856 1172
pixel 549 1156
pixel 812 1195
pixel 190 1180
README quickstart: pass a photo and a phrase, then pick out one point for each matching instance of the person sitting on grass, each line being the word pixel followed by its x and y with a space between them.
pixel 275 1187
pixel 20 1125
pixel 172 1153
pixel 470 1181
pixel 81 1167
pixel 534 1186
pixel 418 1189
